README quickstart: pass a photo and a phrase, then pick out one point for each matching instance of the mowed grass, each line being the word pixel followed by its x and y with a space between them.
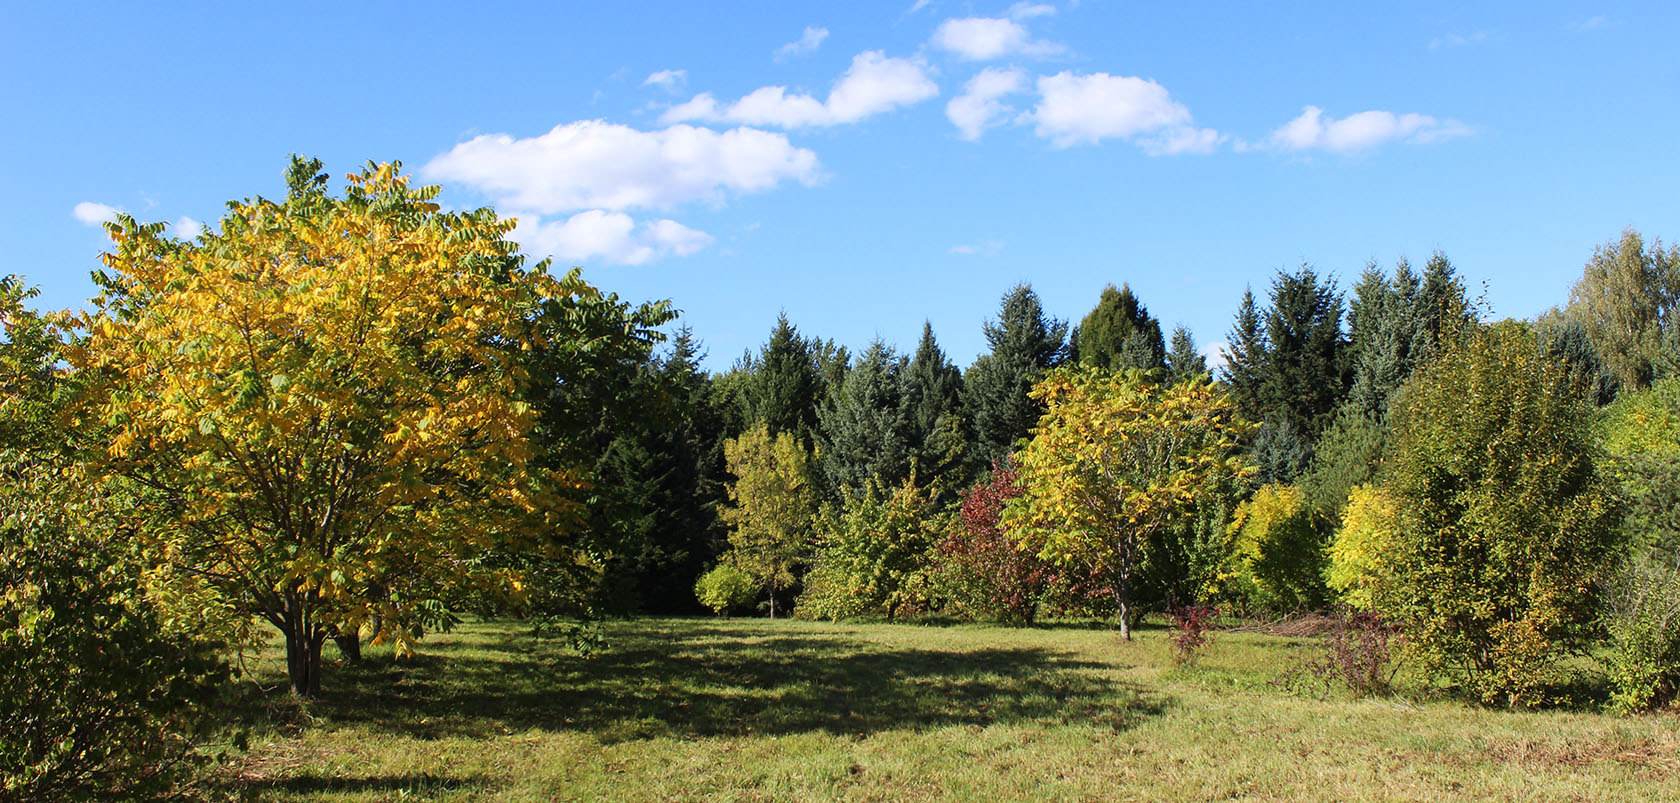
pixel 750 709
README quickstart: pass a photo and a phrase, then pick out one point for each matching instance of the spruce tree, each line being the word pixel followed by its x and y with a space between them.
pixel 1305 372
pixel 1184 361
pixel 864 433
pixel 1024 344
pixel 786 387
pixel 1245 359
pixel 936 426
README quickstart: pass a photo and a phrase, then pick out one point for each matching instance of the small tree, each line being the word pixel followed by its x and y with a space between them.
pixel 1116 459
pixel 876 554
pixel 1370 522
pixel 1504 517
pixel 983 569
pixel 772 507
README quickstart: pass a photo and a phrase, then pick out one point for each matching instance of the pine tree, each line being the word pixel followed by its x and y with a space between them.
pixel 1024 344
pixel 1184 361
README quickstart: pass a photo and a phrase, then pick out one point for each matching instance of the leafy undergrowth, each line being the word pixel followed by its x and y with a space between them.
pixel 678 709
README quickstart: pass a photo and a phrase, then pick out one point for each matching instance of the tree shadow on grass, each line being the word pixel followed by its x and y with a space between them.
pixel 410 784
pixel 654 680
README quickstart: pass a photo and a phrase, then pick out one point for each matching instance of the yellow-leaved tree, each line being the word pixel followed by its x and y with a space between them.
pixel 325 405
pixel 1116 459
pixel 772 507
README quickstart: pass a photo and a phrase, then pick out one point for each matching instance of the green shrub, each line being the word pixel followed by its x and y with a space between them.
pixel 1643 620
pixel 1504 516
pixel 876 555
pixel 1278 551
pixel 725 588
pixel 99 700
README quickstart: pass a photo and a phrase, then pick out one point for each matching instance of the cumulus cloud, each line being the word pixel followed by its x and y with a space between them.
pixel 872 85
pixel 979 106
pixel 1312 130
pixel 612 237
pixel 1078 109
pixel 668 80
pixel 808 42
pixel 987 38
pixel 93 214
pixel 185 228
pixel 593 164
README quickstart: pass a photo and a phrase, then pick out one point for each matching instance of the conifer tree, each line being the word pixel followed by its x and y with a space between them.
pixel 786 387
pixel 1024 344
pixel 864 432
pixel 1246 357
pixel 1306 372
pixel 936 426
pixel 1119 333
pixel 1184 361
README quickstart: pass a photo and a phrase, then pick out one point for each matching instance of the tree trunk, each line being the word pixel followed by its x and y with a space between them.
pixel 303 650
pixel 1123 597
pixel 303 662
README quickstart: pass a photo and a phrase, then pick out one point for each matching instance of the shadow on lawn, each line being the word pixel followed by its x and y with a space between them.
pixel 656 680
pixel 421 784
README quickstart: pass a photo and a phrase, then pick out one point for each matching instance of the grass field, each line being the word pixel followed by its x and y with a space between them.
pixel 679 709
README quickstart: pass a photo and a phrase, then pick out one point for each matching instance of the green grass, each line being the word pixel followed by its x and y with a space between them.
pixel 678 709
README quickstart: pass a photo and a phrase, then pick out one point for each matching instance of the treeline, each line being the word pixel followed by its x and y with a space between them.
pixel 356 418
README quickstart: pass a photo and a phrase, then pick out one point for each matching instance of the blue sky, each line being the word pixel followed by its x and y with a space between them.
pixel 865 166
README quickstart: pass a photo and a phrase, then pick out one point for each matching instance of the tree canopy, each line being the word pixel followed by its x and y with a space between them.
pixel 326 401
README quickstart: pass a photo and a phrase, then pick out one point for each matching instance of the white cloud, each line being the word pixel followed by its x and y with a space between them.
pixel 677 238
pixel 1075 109
pixel 93 214
pixel 1026 11
pixel 1593 23
pixel 872 85
pixel 612 237
pixel 808 42
pixel 186 228
pixel 669 80
pixel 1312 130
pixel 979 106
pixel 918 6
pixel 987 38
pixel 591 164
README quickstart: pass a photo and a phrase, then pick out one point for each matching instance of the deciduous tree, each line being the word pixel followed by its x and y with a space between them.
pixel 1504 516
pixel 1116 459
pixel 326 401
pixel 772 507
